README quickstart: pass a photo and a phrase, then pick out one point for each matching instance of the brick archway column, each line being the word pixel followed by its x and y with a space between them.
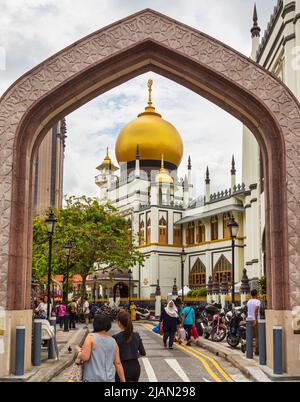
pixel 142 42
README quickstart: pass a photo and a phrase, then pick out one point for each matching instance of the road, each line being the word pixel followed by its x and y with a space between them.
pixel 183 364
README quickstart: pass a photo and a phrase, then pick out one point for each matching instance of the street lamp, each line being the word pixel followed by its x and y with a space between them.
pixel 68 250
pixel 234 228
pixel 130 278
pixel 183 259
pixel 51 226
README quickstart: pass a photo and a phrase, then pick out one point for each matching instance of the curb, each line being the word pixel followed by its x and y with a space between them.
pixel 51 369
pixel 251 371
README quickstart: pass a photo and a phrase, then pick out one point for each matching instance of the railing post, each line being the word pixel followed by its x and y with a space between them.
pixel 20 350
pixel 37 343
pixel 262 342
pixel 249 338
pixel 277 350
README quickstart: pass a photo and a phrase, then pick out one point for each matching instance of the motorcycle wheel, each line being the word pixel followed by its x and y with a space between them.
pixel 243 348
pixel 218 334
pixel 207 335
pixel 232 341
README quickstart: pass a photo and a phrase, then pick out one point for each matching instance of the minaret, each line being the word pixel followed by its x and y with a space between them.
pixel 186 198
pixel 137 162
pixel 233 174
pixel 207 186
pixel 255 32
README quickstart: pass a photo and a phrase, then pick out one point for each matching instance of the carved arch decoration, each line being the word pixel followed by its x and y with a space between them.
pixel 137 44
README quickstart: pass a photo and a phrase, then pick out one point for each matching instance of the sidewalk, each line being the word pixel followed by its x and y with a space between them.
pixel 51 368
pixel 249 367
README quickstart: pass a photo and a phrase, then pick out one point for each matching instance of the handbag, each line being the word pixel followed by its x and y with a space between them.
pixel 161 329
pixel 156 329
pixel 76 374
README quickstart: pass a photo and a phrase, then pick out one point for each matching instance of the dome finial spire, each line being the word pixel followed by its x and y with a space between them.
pixel 162 162
pixel 150 85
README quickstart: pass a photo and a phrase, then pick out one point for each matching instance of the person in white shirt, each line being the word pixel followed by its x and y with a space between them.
pixel 253 307
pixel 86 311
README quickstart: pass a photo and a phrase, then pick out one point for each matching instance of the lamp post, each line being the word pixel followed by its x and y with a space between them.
pixel 129 291
pixel 68 250
pixel 183 259
pixel 234 228
pixel 51 226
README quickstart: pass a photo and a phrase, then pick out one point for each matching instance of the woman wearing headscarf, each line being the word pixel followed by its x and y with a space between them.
pixel 170 320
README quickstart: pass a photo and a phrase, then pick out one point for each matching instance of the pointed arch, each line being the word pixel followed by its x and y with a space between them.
pixel 198 275
pixel 223 266
pixel 147 41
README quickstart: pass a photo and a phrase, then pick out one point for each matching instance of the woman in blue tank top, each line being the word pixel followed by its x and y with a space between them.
pixel 100 354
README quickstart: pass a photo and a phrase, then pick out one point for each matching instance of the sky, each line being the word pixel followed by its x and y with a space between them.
pixel 33 30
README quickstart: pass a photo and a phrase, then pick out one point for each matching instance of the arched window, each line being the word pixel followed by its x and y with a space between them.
pixel 226 230
pixel 200 232
pixel 198 275
pixel 223 266
pixel 148 239
pixel 214 228
pixel 190 233
pixel 177 239
pixel 163 231
pixel 142 233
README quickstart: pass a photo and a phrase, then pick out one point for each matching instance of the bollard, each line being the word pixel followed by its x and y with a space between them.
pixel 51 348
pixel 20 350
pixel 277 350
pixel 37 342
pixel 262 342
pixel 249 338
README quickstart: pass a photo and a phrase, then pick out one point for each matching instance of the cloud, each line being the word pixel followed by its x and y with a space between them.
pixel 32 30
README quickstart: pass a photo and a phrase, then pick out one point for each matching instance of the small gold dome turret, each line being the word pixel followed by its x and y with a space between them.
pixel 154 136
pixel 107 163
pixel 163 176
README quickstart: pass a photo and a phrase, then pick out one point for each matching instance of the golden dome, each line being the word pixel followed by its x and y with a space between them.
pixel 163 176
pixel 154 136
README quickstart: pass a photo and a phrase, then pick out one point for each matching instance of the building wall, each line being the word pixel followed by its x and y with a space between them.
pixel 48 171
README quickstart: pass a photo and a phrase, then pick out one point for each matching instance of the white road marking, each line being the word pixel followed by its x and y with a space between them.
pixel 173 363
pixel 149 370
pixel 206 380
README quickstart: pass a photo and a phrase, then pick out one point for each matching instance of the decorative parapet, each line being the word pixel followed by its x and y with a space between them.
pixel 223 195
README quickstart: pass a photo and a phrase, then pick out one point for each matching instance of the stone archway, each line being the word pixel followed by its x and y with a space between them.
pixel 142 42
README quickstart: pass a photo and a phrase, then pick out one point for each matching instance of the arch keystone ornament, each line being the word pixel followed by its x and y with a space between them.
pixel 149 41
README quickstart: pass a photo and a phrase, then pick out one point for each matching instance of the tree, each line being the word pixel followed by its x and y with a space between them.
pixel 99 236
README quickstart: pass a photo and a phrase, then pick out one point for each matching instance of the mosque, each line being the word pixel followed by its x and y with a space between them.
pixel 182 238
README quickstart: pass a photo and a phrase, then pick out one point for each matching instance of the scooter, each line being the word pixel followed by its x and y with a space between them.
pixel 142 314
pixel 237 328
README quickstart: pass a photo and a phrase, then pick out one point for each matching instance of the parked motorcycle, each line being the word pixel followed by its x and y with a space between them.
pixel 212 323
pixel 142 314
pixel 237 327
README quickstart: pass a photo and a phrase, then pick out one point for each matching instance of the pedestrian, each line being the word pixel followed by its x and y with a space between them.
pixel 73 314
pixel 170 320
pixel 61 312
pixel 42 308
pixel 131 348
pixel 86 311
pixel 188 320
pixel 253 307
pixel 100 354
